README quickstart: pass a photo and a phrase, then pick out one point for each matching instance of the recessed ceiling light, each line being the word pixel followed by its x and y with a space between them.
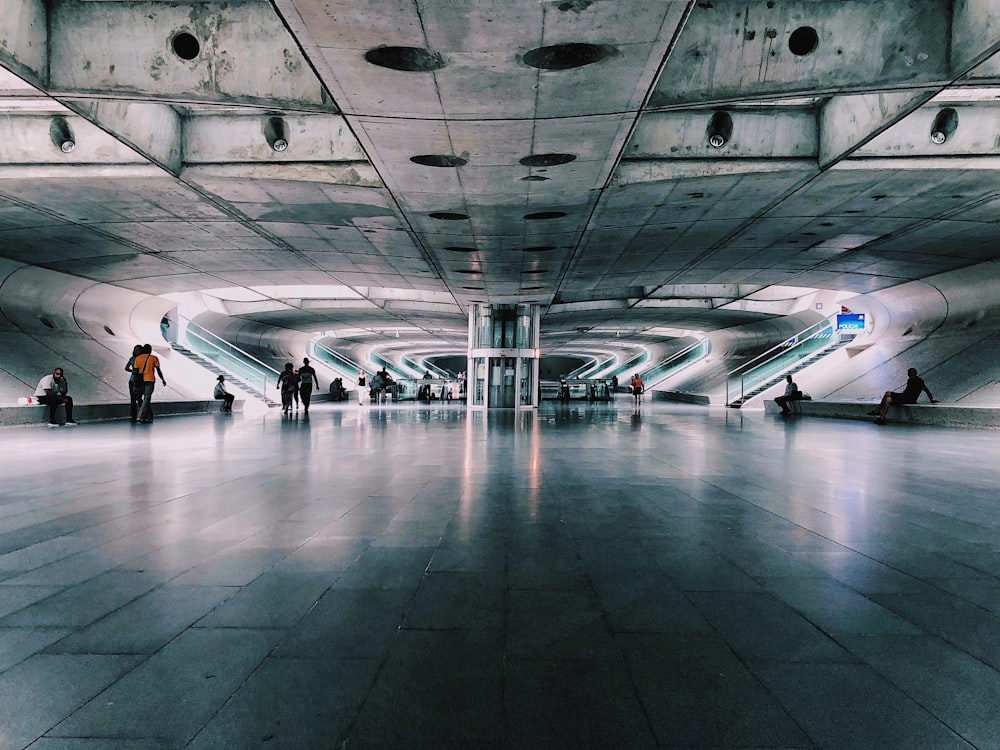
pixel 410 59
pixel 446 216
pixel 547 160
pixel 439 160
pixel 540 215
pixel 567 56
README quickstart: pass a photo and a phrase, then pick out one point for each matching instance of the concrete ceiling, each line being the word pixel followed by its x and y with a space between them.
pixel 441 153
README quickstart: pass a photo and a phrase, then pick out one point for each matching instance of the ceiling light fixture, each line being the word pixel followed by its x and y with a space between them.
pixel 945 125
pixel 276 133
pixel 61 135
pixel 720 129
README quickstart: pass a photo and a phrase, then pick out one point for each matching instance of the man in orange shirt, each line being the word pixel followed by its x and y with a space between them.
pixel 149 365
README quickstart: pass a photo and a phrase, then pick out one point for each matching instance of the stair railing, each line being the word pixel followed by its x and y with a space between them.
pixel 256 374
pixel 340 364
pixel 774 361
pixel 676 362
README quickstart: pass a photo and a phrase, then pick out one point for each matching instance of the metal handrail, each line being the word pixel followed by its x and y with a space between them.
pixel 783 347
pixel 676 355
pixel 341 363
pixel 772 354
pixel 227 343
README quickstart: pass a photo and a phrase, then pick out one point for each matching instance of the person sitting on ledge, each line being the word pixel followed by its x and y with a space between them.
pixel 909 395
pixel 792 393
pixel 222 394
pixel 53 390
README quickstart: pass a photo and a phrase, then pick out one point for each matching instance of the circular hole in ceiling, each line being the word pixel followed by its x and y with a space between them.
pixel 47 323
pixel 534 178
pixel 106 328
pixel 531 288
pixel 545 215
pixel 409 59
pixel 547 160
pixel 446 216
pixel 186 47
pixel 460 249
pixel 469 271
pixel 539 249
pixel 473 288
pixel 803 40
pixel 439 160
pixel 567 56
pixel 535 271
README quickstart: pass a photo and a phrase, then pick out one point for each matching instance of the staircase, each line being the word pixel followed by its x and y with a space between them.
pixel 234 380
pixel 777 378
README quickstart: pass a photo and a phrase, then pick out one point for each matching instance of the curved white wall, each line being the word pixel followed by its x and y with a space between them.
pixel 50 319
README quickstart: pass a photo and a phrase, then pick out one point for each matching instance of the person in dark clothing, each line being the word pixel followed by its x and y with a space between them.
pixel 792 393
pixel 223 395
pixel 52 391
pixel 909 395
pixel 149 366
pixel 288 383
pixel 307 379
pixel 135 384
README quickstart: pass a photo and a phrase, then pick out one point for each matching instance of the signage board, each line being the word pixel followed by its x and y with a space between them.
pixel 851 321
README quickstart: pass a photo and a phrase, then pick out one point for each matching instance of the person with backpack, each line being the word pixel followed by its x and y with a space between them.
pixel 135 384
pixel 148 364
pixel 637 388
pixel 307 379
pixel 288 381
pixel 378 384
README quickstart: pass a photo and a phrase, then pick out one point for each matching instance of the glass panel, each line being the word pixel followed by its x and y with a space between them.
pixel 524 332
pixel 524 385
pixel 484 327
pixel 479 391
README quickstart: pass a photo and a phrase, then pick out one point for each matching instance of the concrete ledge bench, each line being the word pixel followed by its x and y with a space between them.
pixel 34 414
pixel 924 413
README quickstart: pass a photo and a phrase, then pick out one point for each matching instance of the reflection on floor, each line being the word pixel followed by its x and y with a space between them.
pixel 426 577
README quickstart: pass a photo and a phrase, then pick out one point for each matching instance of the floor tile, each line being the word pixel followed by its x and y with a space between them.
pixel 430 577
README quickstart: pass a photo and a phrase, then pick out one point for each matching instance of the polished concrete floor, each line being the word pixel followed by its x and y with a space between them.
pixel 426 577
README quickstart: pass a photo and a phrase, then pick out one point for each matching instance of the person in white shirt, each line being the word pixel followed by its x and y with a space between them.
pixel 792 393
pixel 52 391
pixel 223 395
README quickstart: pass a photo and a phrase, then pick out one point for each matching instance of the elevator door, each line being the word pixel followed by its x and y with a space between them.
pixel 503 393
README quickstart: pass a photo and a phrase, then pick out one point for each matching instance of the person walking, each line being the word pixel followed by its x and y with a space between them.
pixel 288 385
pixel 52 391
pixel 909 395
pixel 362 388
pixel 148 364
pixel 222 394
pixel 307 379
pixel 134 384
pixel 637 388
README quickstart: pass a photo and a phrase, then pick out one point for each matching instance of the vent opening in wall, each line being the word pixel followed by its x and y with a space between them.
pixel 47 323
pixel 185 46
pixel 803 41
pixel 110 332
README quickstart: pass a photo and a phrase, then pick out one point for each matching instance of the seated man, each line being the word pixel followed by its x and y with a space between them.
pixel 225 396
pixel 53 390
pixel 792 393
pixel 914 387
